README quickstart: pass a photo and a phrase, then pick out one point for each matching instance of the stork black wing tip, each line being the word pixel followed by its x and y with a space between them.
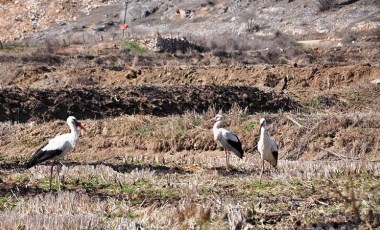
pixel 28 165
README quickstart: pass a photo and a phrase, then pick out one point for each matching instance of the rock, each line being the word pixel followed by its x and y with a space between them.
pixel 139 11
pixel 132 74
pixel 185 13
pixel 376 81
pixel 105 131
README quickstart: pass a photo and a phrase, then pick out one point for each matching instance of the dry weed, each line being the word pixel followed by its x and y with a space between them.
pixel 312 136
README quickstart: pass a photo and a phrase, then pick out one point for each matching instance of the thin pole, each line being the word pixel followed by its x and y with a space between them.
pixel 125 15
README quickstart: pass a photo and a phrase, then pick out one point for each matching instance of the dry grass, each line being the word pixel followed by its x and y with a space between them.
pixel 275 48
pixel 105 197
pixel 133 172
pixel 330 135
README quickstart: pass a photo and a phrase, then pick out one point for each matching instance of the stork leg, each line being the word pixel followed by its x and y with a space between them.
pixel 262 169
pixel 227 164
pixel 228 158
pixel 59 181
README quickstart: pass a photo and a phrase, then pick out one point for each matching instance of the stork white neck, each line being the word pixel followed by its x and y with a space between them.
pixel 75 133
pixel 263 134
pixel 215 129
pixel 217 125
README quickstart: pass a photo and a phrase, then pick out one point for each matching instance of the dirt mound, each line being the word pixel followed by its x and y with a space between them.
pixel 43 105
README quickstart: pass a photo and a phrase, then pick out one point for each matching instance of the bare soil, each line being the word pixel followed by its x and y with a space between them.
pixel 149 149
pixel 96 103
pixel 148 160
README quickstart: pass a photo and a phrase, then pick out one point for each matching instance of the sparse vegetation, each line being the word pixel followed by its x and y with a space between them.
pixel 132 46
pixel 250 126
pixel 314 102
pixel 148 159
pixel 155 198
pixel 273 48
pixel 325 5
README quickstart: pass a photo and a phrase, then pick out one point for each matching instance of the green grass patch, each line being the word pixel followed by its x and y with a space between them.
pixel 257 188
pixel 137 187
pixel 13 48
pixel 144 189
pixel 145 130
pixel 314 102
pixel 21 179
pixel 331 208
pixel 203 224
pixel 180 130
pixel 196 121
pixel 207 190
pixel 45 184
pixel 95 183
pixel 352 94
pixel 250 126
pixel 263 185
pixel 91 183
pixel 120 210
pixel 131 215
pixel 129 190
pixel 131 46
pixel 168 192
pixel 6 203
pixel 13 160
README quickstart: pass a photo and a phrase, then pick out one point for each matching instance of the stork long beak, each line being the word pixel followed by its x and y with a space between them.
pixel 81 126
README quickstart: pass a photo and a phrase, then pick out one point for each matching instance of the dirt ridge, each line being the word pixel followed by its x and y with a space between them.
pixel 95 103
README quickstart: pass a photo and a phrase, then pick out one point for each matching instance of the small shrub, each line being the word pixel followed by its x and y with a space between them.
pixel 325 5
pixel 314 102
pixel 7 203
pixel 131 46
pixel 252 26
pixel 50 46
pixel 348 38
pixel 250 126
pixel 47 58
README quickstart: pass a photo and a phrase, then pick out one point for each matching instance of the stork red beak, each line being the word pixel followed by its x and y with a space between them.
pixel 81 126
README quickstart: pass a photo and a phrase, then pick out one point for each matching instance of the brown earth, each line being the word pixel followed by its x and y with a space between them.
pixel 55 84
pixel 118 84
pixel 95 103
pixel 148 157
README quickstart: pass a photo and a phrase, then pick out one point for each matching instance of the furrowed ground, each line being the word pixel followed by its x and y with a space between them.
pixel 149 171
pixel 148 159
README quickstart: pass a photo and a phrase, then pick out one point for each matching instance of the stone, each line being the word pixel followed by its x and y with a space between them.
pixel 376 81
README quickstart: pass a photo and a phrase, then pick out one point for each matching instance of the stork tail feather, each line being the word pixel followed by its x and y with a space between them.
pixel 237 146
pixel 41 156
pixel 275 156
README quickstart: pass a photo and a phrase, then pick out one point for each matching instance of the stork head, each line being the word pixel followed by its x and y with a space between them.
pixel 73 121
pixel 263 122
pixel 218 117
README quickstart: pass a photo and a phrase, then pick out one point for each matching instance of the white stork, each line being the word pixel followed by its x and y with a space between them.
pixel 227 139
pixel 267 147
pixel 57 147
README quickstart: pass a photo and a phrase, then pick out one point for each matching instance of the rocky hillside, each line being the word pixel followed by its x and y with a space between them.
pixel 94 20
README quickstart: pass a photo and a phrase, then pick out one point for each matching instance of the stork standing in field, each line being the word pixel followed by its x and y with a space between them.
pixel 267 147
pixel 57 147
pixel 227 139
